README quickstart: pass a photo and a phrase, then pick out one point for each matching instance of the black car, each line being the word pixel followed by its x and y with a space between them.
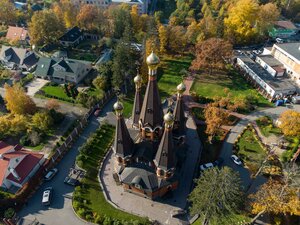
pixel 218 162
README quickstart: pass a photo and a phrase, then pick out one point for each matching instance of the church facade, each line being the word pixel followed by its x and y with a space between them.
pixel 150 165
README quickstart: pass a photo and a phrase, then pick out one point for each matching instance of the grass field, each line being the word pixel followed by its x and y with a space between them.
pixel 215 85
pixel 250 150
pixel 266 126
pixel 56 91
pixel 89 197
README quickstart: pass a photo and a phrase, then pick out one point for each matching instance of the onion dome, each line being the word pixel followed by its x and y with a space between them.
pixel 169 119
pixel 181 88
pixel 152 59
pixel 118 107
pixel 137 79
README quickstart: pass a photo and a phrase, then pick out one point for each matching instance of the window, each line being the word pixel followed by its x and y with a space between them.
pixel 149 110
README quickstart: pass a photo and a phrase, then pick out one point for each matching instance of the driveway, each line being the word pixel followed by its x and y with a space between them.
pixel 60 212
pixel 226 152
pixel 35 85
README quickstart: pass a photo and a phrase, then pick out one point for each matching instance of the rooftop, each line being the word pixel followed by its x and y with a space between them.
pixel 270 60
pixel 71 35
pixel 285 24
pixel 291 48
pixel 16 33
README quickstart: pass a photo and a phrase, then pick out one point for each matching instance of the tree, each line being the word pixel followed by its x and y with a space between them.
pixel 192 33
pixel 17 102
pixel 100 82
pixel 66 11
pixel 241 23
pixel 267 15
pixel 290 123
pixel 52 104
pixel 90 17
pixel 221 196
pixel 163 38
pixel 177 38
pixel 7 12
pixel 121 19
pixel 45 27
pixel 42 121
pixel 214 118
pixel 12 125
pixel 211 54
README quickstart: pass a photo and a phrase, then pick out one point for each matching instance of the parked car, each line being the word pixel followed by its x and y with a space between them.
pixel 47 196
pixel 178 212
pixel 218 162
pixel 279 40
pixel 206 166
pixel 97 112
pixel 51 173
pixel 71 181
pixel 236 160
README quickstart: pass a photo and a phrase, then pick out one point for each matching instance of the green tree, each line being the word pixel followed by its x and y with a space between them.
pixel 100 82
pixel 45 27
pixel 217 194
pixel 42 121
pixel 121 21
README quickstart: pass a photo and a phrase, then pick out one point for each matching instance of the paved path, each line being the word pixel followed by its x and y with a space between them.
pixel 35 85
pixel 64 107
pixel 60 212
pixel 160 211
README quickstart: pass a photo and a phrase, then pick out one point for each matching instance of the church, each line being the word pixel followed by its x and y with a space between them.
pixel 148 164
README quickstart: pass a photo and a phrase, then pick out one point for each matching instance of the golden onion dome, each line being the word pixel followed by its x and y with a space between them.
pixel 152 59
pixel 137 79
pixel 118 106
pixel 181 88
pixel 169 118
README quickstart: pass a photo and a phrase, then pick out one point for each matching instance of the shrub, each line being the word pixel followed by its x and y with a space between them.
pixel 9 213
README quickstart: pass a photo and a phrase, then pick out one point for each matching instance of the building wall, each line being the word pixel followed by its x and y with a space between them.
pixel 99 3
pixel 266 66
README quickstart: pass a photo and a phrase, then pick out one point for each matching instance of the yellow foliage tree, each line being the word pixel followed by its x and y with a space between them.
pixel 268 13
pixel 12 125
pixel 17 102
pixel 290 123
pixel 163 38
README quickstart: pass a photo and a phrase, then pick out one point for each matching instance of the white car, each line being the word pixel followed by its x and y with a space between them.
pixel 236 160
pixel 206 166
pixel 47 195
pixel 51 173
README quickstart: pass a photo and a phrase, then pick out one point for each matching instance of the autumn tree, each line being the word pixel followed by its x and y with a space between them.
pixel 45 27
pixel 211 54
pixel 290 123
pixel 100 82
pixel 177 39
pixel 192 32
pixel 221 196
pixel 42 121
pixel 7 12
pixel 17 102
pixel 66 11
pixel 163 38
pixel 90 17
pixel 267 15
pixel 52 104
pixel 214 118
pixel 12 125
pixel 240 25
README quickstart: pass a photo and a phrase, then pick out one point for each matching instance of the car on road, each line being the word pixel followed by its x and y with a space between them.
pixel 236 160
pixel 178 212
pixel 51 173
pixel 218 162
pixel 206 166
pixel 47 196
pixel 71 181
pixel 97 112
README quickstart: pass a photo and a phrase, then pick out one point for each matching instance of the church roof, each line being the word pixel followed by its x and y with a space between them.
pixel 179 118
pixel 137 106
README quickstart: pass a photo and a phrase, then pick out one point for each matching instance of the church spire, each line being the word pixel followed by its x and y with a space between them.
pixel 165 160
pixel 151 112
pixel 138 101
pixel 179 118
pixel 123 146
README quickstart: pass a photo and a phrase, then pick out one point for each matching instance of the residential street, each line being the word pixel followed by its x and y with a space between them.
pixel 232 136
pixel 61 212
pixel 64 107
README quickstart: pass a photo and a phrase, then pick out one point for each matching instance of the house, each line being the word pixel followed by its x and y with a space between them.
pixel 141 4
pixel 18 58
pixel 283 28
pixel 62 70
pixel 99 3
pixel 289 55
pixel 270 86
pixel 271 65
pixel 72 37
pixel 17 34
pixel 17 165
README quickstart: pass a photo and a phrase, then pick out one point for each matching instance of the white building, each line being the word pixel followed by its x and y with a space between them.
pixel 271 65
pixel 141 4
pixel 99 3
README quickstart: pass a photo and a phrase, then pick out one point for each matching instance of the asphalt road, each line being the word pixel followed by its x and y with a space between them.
pixel 60 211
pixel 226 152
pixel 64 107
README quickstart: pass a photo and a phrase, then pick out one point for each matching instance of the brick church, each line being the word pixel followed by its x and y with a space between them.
pixel 149 166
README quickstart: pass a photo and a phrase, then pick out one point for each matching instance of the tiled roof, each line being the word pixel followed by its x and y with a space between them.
pixel 19 33
pixel 4 147
pixel 286 24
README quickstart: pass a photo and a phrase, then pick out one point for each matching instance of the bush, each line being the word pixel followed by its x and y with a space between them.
pixel 9 213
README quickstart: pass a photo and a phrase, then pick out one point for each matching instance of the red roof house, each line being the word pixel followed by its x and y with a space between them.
pixel 17 165
pixel 17 33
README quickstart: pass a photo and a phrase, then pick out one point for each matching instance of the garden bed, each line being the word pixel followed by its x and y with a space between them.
pixel 266 126
pixel 88 201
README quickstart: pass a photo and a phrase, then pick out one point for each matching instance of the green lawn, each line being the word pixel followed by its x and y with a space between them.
pixel 214 85
pixel 250 150
pixel 226 220
pixel 89 201
pixel 95 92
pixel 36 148
pixel 57 91
pixel 266 126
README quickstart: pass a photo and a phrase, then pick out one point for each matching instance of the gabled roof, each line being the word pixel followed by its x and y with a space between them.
pixel 179 118
pixel 17 55
pixel 286 24
pixel 71 35
pixel 16 33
